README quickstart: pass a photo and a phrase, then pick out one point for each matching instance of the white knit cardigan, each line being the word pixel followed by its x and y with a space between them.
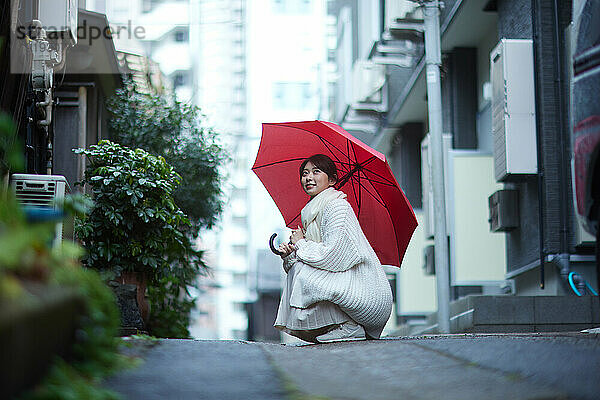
pixel 342 269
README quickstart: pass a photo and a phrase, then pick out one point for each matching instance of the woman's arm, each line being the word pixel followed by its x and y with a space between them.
pixel 288 262
pixel 339 250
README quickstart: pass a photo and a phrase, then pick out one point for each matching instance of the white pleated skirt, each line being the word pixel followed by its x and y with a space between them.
pixel 306 323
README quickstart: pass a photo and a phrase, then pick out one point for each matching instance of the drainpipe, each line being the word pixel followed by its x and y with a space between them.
pixel 540 147
pixel 564 162
pixel 433 61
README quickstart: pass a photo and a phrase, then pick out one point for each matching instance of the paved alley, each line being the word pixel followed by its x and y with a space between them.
pixel 531 366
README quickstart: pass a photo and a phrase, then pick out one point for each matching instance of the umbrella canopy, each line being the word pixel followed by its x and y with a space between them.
pixel 384 213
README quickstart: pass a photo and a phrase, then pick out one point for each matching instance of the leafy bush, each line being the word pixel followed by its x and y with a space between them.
pixel 163 126
pixel 25 254
pixel 95 353
pixel 10 147
pixel 136 226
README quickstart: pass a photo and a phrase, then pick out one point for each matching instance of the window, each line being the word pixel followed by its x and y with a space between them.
pixel 239 220
pixel 239 307
pixel 179 79
pixel 181 34
pixel 239 250
pixel 292 95
pixel 238 193
pixel 292 6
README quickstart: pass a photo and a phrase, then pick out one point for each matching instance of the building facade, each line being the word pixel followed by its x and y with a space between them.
pixel 505 103
pixel 55 90
pixel 160 31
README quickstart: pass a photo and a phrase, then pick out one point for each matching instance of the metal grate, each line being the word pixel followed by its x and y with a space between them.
pixel 35 193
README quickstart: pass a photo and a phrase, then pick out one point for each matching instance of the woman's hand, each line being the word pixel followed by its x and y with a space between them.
pixel 286 249
pixel 297 234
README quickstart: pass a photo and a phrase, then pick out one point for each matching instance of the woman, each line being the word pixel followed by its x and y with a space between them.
pixel 336 288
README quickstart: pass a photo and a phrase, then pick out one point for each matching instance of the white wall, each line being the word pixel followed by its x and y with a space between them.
pixel 416 291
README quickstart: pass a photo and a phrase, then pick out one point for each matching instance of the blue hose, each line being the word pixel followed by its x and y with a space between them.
pixel 577 292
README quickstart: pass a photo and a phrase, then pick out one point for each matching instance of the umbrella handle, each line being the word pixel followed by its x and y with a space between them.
pixel 272 246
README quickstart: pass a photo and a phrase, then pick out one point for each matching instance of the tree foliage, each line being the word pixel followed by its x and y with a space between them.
pixel 163 126
pixel 135 225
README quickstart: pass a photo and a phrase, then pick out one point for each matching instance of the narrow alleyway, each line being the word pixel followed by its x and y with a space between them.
pixel 529 366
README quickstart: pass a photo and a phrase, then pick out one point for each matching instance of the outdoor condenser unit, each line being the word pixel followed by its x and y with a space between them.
pixel 368 92
pixel 513 109
pixel 41 191
pixel 59 18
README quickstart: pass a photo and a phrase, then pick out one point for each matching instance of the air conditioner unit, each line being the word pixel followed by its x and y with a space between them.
pixel 427 182
pixel 41 191
pixel 368 91
pixel 59 19
pixel 513 109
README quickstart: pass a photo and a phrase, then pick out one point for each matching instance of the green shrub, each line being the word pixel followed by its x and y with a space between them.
pixel 95 352
pixel 25 254
pixel 136 226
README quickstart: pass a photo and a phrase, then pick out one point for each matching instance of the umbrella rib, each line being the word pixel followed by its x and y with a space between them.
pixel 359 194
pixel 381 183
pixel 354 191
pixel 279 162
pixel 358 181
pixel 356 158
pixel 394 227
pixel 377 198
pixel 293 219
pixel 321 139
pixel 327 144
pixel 386 183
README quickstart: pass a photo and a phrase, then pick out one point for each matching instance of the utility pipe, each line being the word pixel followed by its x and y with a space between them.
pixel 433 61
pixel 564 145
pixel 540 145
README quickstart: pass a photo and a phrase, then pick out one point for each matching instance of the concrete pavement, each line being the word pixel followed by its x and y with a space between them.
pixel 189 369
pixel 524 366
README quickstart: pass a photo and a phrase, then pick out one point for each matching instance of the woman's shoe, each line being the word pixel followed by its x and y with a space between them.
pixel 347 331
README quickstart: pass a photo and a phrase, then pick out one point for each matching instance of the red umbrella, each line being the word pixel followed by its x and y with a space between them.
pixel 383 211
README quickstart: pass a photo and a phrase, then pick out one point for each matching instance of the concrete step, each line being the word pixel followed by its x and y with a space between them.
pixel 505 314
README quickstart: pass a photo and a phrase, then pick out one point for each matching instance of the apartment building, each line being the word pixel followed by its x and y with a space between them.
pixel 513 240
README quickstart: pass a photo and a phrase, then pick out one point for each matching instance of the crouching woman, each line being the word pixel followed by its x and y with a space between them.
pixel 336 288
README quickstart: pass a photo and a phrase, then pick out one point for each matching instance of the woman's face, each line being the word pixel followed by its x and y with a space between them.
pixel 313 180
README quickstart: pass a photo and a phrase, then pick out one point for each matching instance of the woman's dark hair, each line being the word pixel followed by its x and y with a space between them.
pixel 324 163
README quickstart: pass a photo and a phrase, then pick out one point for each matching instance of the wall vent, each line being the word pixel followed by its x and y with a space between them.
pixel 504 210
